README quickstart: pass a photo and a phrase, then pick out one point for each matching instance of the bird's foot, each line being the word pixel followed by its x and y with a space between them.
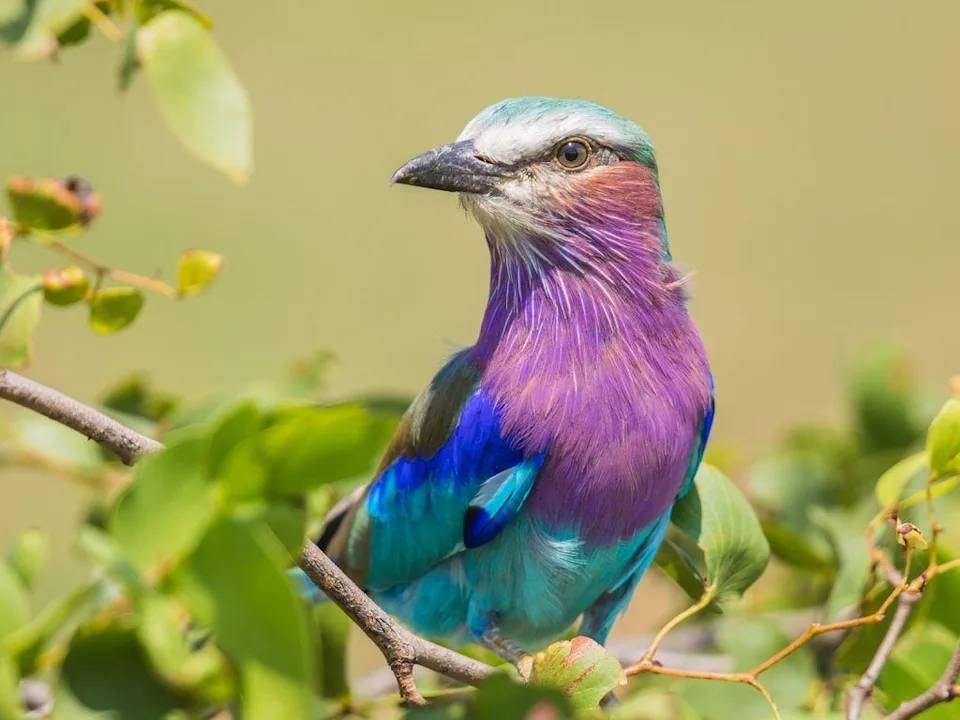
pixel 494 640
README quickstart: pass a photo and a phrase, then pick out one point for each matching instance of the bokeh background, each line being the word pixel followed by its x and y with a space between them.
pixel 810 163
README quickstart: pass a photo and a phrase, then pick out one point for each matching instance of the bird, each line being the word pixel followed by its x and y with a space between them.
pixel 531 483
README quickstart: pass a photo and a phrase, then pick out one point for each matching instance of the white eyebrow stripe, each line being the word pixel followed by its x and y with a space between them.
pixel 522 139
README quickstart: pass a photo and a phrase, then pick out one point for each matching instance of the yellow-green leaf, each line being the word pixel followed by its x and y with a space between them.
pixel 146 10
pixel 718 517
pixel 196 270
pixel 943 438
pixel 199 671
pixel 28 555
pixel 10 10
pixel 14 608
pixel 166 509
pixel 197 91
pixel 894 481
pixel 580 668
pixel 106 675
pixel 275 663
pixel 65 286
pixel 915 665
pixel 113 309
pixel 20 300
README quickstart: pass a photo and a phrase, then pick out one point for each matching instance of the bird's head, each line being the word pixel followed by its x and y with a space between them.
pixel 567 170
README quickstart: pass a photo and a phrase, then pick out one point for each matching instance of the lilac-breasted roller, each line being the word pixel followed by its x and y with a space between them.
pixel 531 483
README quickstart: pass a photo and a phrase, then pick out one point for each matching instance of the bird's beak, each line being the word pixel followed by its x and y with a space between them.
pixel 455 168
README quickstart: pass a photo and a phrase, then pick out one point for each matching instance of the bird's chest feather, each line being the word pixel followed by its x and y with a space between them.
pixel 618 417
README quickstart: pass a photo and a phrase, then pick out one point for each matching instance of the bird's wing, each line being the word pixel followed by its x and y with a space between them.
pixel 599 618
pixel 449 480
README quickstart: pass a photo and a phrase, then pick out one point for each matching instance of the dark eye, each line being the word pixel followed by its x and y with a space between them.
pixel 573 154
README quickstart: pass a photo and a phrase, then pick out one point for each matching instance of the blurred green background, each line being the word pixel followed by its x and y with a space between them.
pixel 809 158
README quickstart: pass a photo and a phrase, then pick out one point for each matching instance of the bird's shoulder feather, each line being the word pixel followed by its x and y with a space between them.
pixel 417 510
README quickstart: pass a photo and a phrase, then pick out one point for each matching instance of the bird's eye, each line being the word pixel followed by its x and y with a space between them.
pixel 573 154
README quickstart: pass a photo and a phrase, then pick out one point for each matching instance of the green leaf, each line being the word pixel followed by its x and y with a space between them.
pixel 331 630
pixel 240 423
pixel 681 559
pixel 28 555
pixel 134 395
pixel 500 698
pixel 197 92
pixel 46 636
pixel 308 446
pixel 10 10
pixel 65 286
pixel 916 664
pixel 943 439
pixel 749 642
pixel 851 552
pixel 288 521
pixel 200 672
pixel 936 489
pixel 149 9
pixel 803 549
pixel 56 442
pixel 169 505
pixel 14 607
pixel 196 269
pixel 718 517
pixel 580 668
pixel 894 481
pixel 883 387
pixel 106 675
pixel 652 704
pixel 113 309
pixel 235 581
pixel 20 300
pixel 50 206
pixel 299 448
pixel 11 705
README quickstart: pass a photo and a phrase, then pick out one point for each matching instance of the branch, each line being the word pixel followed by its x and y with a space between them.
pixel 864 687
pixel 114 436
pixel 401 648
pixel 943 691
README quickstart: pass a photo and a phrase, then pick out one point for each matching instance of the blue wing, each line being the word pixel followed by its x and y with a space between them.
pixel 498 501
pixel 449 456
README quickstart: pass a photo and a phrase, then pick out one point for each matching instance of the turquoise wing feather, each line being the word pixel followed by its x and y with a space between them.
pixel 448 455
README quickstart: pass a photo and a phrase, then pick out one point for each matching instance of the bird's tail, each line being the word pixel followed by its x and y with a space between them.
pixel 305 587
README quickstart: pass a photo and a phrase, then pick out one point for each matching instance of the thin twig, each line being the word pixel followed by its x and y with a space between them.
pixel 744 678
pixel 12 307
pixel 864 687
pixel 943 691
pixel 104 24
pixel 752 677
pixel 704 601
pixel 104 479
pixel 122 276
pixel 401 648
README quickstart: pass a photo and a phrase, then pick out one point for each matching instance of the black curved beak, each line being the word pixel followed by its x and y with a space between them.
pixel 455 168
